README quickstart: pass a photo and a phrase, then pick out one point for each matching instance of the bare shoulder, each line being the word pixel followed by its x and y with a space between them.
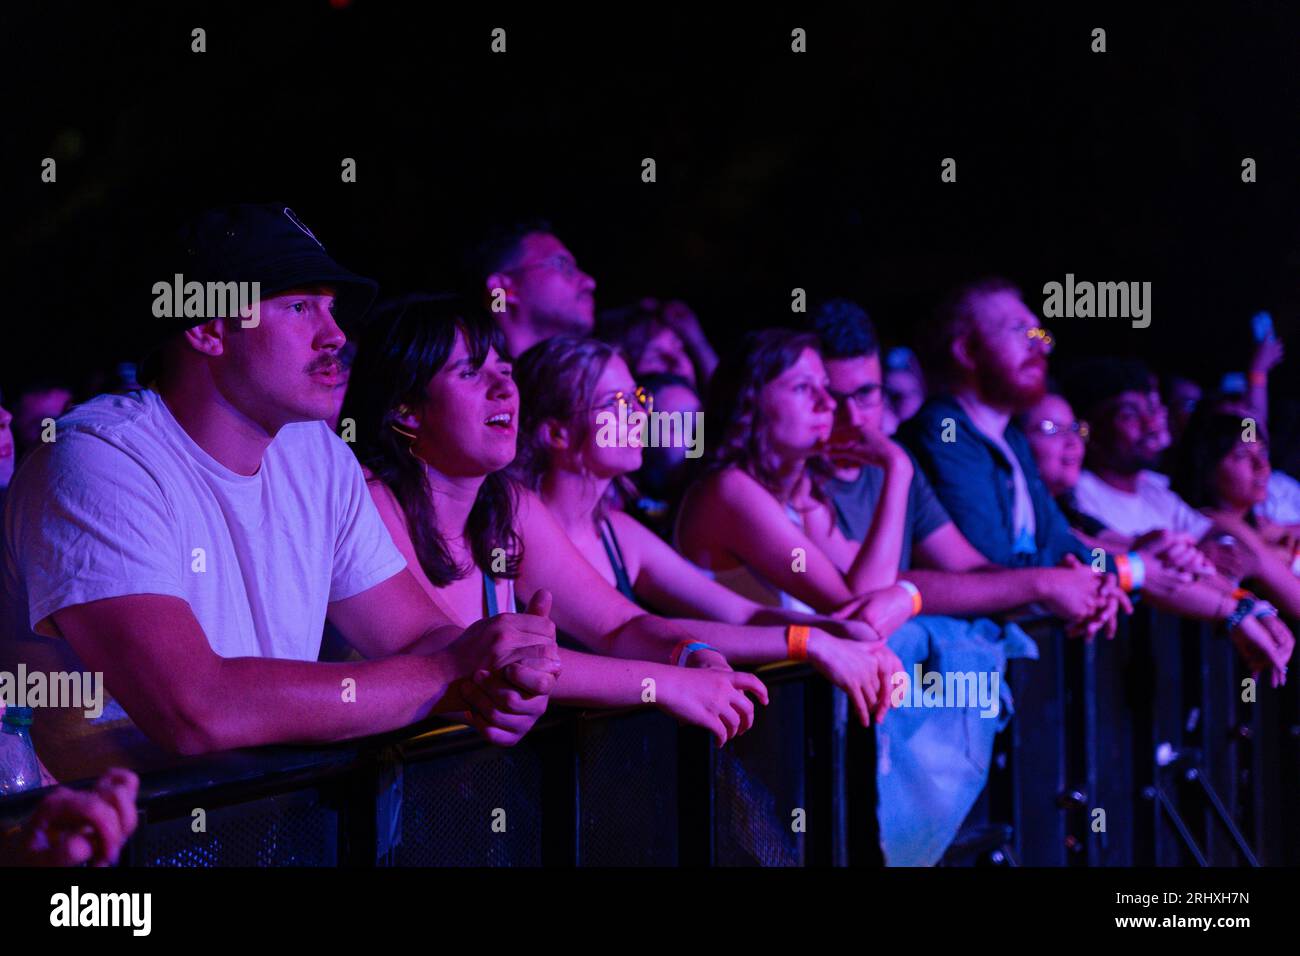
pixel 632 535
pixel 722 489
pixel 715 509
pixel 529 507
pixel 384 498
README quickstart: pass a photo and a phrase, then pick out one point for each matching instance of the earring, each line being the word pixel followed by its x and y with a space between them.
pixel 402 410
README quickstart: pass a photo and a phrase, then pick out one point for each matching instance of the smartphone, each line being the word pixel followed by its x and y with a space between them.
pixel 1261 326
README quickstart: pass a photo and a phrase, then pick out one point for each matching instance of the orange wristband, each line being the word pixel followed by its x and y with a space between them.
pixel 914 593
pixel 796 641
pixel 1125 571
pixel 1257 379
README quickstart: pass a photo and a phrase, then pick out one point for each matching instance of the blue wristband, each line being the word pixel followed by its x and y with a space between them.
pixel 692 648
pixel 1137 570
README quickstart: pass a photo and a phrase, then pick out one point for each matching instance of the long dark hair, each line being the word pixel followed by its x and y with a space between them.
pixel 404 346
pixel 1210 437
pixel 733 402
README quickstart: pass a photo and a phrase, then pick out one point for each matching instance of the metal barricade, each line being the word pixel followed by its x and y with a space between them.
pixel 1138 751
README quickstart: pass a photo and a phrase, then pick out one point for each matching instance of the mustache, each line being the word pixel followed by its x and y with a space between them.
pixel 328 363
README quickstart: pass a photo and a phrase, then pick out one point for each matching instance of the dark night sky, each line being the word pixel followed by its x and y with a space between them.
pixel 775 170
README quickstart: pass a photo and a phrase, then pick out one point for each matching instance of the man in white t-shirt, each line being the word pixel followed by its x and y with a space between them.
pixel 189 540
pixel 1150 506
pixel 1119 487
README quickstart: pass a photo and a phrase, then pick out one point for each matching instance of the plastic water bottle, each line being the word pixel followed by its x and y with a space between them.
pixel 19 768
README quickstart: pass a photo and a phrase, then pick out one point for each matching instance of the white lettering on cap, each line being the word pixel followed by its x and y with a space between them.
pixel 289 214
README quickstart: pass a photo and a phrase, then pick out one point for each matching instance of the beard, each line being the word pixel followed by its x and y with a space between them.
pixel 999 388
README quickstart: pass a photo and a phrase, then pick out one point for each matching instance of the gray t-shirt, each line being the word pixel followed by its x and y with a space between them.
pixel 855 506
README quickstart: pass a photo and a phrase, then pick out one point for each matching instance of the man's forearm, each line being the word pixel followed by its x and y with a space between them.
pixel 255 701
pixel 436 639
pixel 976 592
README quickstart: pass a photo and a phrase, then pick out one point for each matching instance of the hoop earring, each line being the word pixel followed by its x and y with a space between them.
pixel 411 436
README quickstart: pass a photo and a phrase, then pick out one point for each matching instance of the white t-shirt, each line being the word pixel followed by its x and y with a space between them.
pixel 1154 506
pixel 125 502
pixel 1024 523
pixel 1283 503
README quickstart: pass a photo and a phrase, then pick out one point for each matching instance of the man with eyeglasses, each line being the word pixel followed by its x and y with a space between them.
pixel 938 558
pixel 532 285
pixel 990 353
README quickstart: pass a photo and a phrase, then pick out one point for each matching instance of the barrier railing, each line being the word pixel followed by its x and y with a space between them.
pixel 607 788
pixel 1149 728
pixel 1148 750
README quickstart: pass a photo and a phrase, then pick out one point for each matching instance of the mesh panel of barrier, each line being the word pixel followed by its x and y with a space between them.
pixel 290 830
pixel 627 786
pixel 450 810
pixel 759 783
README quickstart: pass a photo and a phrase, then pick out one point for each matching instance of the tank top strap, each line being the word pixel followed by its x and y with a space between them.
pixel 490 594
pixel 615 554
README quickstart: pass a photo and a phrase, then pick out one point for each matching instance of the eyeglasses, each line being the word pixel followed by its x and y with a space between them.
pixel 1042 336
pixel 641 395
pixel 1051 429
pixel 868 396
pixel 1035 333
pixel 564 265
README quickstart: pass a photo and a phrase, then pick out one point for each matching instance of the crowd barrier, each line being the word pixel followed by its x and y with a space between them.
pixel 1149 728
pixel 1154 729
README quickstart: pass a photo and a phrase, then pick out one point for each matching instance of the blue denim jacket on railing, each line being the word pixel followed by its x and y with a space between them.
pixel 933 761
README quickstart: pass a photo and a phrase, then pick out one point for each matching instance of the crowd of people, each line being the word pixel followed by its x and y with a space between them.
pixel 353 513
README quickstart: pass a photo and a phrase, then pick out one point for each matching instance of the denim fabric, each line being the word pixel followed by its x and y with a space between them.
pixel 933 762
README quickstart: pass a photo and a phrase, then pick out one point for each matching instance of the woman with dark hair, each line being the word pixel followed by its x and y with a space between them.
pixel 1223 468
pixel 759 520
pixel 573 390
pixel 435 410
